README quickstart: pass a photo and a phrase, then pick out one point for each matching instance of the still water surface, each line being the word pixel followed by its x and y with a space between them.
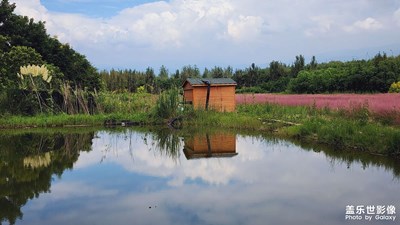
pixel 137 176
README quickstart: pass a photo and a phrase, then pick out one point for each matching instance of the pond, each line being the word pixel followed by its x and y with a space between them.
pixel 160 176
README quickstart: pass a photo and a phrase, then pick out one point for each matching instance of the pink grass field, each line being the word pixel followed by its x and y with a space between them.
pixel 377 103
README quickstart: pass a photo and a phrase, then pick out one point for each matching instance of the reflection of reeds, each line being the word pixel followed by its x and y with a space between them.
pixel 166 143
pixel 114 139
pixel 163 142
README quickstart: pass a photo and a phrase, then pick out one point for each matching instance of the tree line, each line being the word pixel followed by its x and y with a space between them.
pixel 156 82
pixel 375 75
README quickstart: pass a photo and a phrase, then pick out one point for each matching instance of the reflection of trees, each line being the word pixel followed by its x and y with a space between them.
pixel 349 157
pixel 336 157
pixel 27 163
pixel 365 159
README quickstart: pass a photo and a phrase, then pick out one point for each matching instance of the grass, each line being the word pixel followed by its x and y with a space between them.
pixel 125 103
pixel 341 133
pixel 62 120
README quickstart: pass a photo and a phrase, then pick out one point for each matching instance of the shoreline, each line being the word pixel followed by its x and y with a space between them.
pixel 353 132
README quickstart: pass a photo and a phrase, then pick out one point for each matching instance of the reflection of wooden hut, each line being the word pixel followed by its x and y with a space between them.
pixel 206 146
pixel 215 93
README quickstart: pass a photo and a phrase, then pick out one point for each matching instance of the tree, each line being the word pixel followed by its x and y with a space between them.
pixel 313 64
pixel 239 77
pixel 228 72
pixel 277 70
pixel 217 72
pixel 206 73
pixel 6 10
pixel 298 65
pixel 12 61
pixel 4 44
pixel 149 79
pixel 189 72
pixel 163 73
pixel 252 75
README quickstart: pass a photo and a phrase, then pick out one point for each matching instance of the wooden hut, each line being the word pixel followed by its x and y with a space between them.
pixel 210 146
pixel 216 93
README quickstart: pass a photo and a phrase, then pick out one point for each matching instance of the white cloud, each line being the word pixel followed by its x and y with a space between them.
pixel 368 24
pixel 157 29
pixel 323 25
pixel 31 8
pixel 245 28
pixel 212 32
pixel 64 190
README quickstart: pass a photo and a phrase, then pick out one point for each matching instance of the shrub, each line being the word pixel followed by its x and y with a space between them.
pixel 255 89
pixel 395 87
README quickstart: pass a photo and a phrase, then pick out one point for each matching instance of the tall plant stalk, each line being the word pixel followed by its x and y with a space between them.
pixel 37 94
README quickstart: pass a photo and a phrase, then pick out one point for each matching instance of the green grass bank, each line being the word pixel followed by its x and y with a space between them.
pixel 355 130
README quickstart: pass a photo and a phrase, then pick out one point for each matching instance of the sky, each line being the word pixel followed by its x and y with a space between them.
pixel 136 34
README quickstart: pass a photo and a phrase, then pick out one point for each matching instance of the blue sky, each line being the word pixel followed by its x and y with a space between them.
pixel 125 34
pixel 92 8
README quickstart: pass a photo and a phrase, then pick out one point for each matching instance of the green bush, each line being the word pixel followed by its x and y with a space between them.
pixel 255 89
pixel 19 102
pixel 395 87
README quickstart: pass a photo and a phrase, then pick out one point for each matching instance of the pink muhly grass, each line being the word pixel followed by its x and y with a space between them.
pixel 380 104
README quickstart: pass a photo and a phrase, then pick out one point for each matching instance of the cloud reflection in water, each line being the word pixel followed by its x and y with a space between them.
pixel 125 180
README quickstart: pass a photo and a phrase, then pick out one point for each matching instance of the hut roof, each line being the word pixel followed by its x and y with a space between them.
pixel 213 81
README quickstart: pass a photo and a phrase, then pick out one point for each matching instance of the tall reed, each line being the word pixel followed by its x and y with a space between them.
pixel 168 104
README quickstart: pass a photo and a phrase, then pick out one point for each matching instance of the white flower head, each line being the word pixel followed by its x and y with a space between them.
pixel 35 71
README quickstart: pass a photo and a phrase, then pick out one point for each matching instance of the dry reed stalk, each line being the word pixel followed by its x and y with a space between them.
pixel 81 100
pixel 68 105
